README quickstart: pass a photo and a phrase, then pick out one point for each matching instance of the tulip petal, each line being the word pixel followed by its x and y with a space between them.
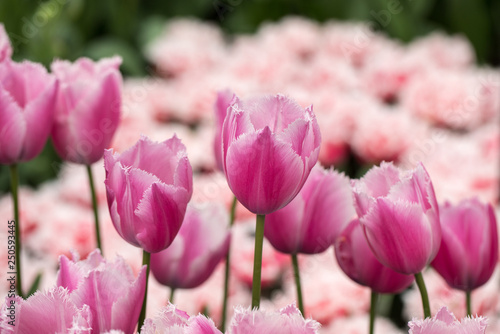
pixel 399 235
pixel 263 173
pixel 12 129
pixel 160 214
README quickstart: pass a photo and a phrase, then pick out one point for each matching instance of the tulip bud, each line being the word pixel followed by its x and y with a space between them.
pixel 27 98
pixel 311 222
pixel 148 188
pixel 88 108
pixel 400 216
pixel 202 242
pixel 270 145
pixel 469 247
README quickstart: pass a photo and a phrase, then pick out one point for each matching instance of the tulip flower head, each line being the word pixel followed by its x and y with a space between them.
pixel 202 242
pixel 88 108
pixel 287 320
pixel 469 248
pixel 174 321
pixel 148 187
pixel 5 47
pixel 110 289
pixel 400 216
pixel 269 146
pixel 311 222
pixel 27 98
pixel 444 322
pixel 357 261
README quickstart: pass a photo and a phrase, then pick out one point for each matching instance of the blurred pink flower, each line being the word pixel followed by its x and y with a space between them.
pixel 5 47
pixel 311 222
pixel 47 312
pixel 88 108
pixel 469 248
pixel 110 290
pixel 286 320
pixel 400 216
pixel 357 261
pixel 202 242
pixel 170 320
pixel 148 188
pixel 270 144
pixel 243 243
pixel 27 100
pixel 444 322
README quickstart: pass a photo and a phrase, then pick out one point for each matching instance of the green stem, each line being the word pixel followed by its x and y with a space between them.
pixel 468 303
pixel 423 292
pixel 171 297
pixel 232 215
pixel 94 206
pixel 373 310
pixel 296 274
pixel 257 261
pixel 146 259
pixel 14 179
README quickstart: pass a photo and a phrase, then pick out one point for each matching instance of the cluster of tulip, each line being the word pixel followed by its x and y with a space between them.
pixel 386 227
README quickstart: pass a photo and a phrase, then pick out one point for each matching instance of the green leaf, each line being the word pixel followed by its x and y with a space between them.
pixel 34 285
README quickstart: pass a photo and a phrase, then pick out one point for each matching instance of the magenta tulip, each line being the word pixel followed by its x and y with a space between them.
pixel 469 248
pixel 88 108
pixel 27 98
pixel 400 216
pixel 311 222
pixel 224 99
pixel 110 289
pixel 444 322
pixel 286 320
pixel 148 188
pixel 5 47
pixel 202 242
pixel 357 261
pixel 47 312
pixel 269 146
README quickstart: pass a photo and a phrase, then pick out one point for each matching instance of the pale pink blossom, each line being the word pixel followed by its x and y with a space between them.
pixel 444 322
pixel 5 47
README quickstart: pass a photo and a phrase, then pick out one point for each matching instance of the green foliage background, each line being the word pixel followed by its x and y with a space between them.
pixel 68 29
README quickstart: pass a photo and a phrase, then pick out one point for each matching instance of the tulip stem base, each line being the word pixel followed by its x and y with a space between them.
pixel 14 181
pixel 373 310
pixel 94 207
pixel 296 274
pixel 423 292
pixel 257 261
pixel 146 260
pixel 232 216
pixel 468 302
pixel 171 297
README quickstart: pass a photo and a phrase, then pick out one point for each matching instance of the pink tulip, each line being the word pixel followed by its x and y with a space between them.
pixel 47 312
pixel 202 242
pixel 357 261
pixel 88 108
pixel 110 289
pixel 172 320
pixel 27 98
pixel 469 248
pixel 311 222
pixel 270 145
pixel 444 322
pixel 400 216
pixel 148 187
pixel 5 47
pixel 286 320
pixel 224 99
